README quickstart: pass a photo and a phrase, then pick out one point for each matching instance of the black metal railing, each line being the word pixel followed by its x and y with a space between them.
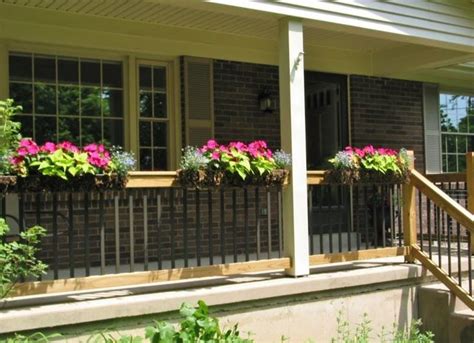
pixel 149 229
pixel 347 218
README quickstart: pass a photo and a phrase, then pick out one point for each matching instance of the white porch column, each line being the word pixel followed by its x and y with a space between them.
pixel 293 139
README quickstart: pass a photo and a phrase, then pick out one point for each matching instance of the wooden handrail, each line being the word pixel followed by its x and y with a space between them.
pixel 446 177
pixel 444 201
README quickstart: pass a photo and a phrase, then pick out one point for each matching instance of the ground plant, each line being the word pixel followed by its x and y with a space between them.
pixel 18 259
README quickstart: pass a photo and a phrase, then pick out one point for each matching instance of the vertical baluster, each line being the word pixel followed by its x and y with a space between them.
pixel 420 218
pixel 185 223
pixel 328 188
pixel 366 216
pixel 173 227
pixel 430 240
pixel 374 214
pixel 102 232
pixel 269 224
pixel 384 194
pixel 392 218
pixel 339 224
pixel 209 207
pixel 449 223
pixel 400 217
pixel 458 234
pixel 21 212
pixel 257 220
pixel 469 261
pixel 158 229
pixel 349 217
pixel 145 231
pixel 70 234
pixel 357 216
pixel 234 223
pixel 280 224
pixel 438 234
pixel 131 231
pixel 55 236
pixel 319 220
pixel 310 219
pixel 38 219
pixel 246 223
pixel 198 227
pixel 87 245
pixel 222 226
pixel 117 233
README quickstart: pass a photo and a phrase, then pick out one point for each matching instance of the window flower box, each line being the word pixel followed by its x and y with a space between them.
pixel 233 165
pixel 65 167
pixel 369 165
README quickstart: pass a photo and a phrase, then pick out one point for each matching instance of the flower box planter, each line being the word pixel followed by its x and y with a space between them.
pixel 86 183
pixel 354 177
pixel 213 179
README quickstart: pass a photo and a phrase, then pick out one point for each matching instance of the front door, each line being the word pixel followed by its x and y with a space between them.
pixel 326 134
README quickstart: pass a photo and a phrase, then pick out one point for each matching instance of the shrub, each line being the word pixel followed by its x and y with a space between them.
pixel 9 133
pixel 17 258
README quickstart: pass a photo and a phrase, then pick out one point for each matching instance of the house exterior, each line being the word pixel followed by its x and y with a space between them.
pixel 310 77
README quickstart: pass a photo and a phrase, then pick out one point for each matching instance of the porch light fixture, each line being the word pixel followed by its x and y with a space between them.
pixel 265 101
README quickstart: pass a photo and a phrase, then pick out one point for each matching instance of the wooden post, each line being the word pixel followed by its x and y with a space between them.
pixel 470 188
pixel 409 212
pixel 293 139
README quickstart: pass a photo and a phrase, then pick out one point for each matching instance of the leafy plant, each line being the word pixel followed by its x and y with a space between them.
pixel 17 258
pixel 122 161
pixel 37 337
pixel 282 159
pixel 9 133
pixel 193 159
pixel 197 326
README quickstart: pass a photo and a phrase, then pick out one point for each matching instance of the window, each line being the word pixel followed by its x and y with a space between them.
pixel 67 98
pixel 457 130
pixel 153 117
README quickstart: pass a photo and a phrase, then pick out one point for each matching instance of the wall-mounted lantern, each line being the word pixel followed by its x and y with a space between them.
pixel 266 102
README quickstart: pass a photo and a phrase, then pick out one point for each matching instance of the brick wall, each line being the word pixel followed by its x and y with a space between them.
pixel 387 112
pixel 236 108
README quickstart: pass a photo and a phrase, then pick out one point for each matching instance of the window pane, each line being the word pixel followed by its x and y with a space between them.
pixel 45 99
pixel 145 159
pixel 462 144
pixel 90 73
pixel 145 77
pixel 452 167
pixel 20 68
pixel 159 135
pixel 462 120
pixel 445 163
pixel 145 104
pixel 112 102
pixel 68 71
pixel 160 105
pixel 159 78
pixel 90 101
pixel 159 159
pixel 113 132
pixel 23 95
pixel 68 130
pixel 451 144
pixel 91 131
pixel 68 98
pixel 145 133
pixel 26 125
pixel 45 129
pixel 112 74
pixel 45 69
pixel 461 163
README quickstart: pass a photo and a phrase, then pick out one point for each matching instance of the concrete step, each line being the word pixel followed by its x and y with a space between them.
pixel 447 317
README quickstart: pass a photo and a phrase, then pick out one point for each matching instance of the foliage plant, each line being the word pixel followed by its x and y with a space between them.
pixel 9 133
pixel 196 326
pixel 362 333
pixel 235 161
pixel 65 160
pixel 18 258
pixel 370 164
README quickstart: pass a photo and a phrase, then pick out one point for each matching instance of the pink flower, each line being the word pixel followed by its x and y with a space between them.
pixel 27 147
pixel 369 149
pixel 215 155
pixel 68 146
pixel 16 160
pixel 48 147
pixel 238 145
pixel 91 147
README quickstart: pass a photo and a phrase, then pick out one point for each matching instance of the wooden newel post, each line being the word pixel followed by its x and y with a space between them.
pixel 409 212
pixel 470 188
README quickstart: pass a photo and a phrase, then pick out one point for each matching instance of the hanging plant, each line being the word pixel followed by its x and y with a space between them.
pixel 234 164
pixel 369 165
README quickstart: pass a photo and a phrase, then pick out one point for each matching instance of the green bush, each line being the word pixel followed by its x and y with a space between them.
pixel 17 258
pixel 9 133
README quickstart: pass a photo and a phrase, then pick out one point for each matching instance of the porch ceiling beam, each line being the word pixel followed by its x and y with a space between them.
pixel 293 138
pixel 369 21
pixel 392 62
